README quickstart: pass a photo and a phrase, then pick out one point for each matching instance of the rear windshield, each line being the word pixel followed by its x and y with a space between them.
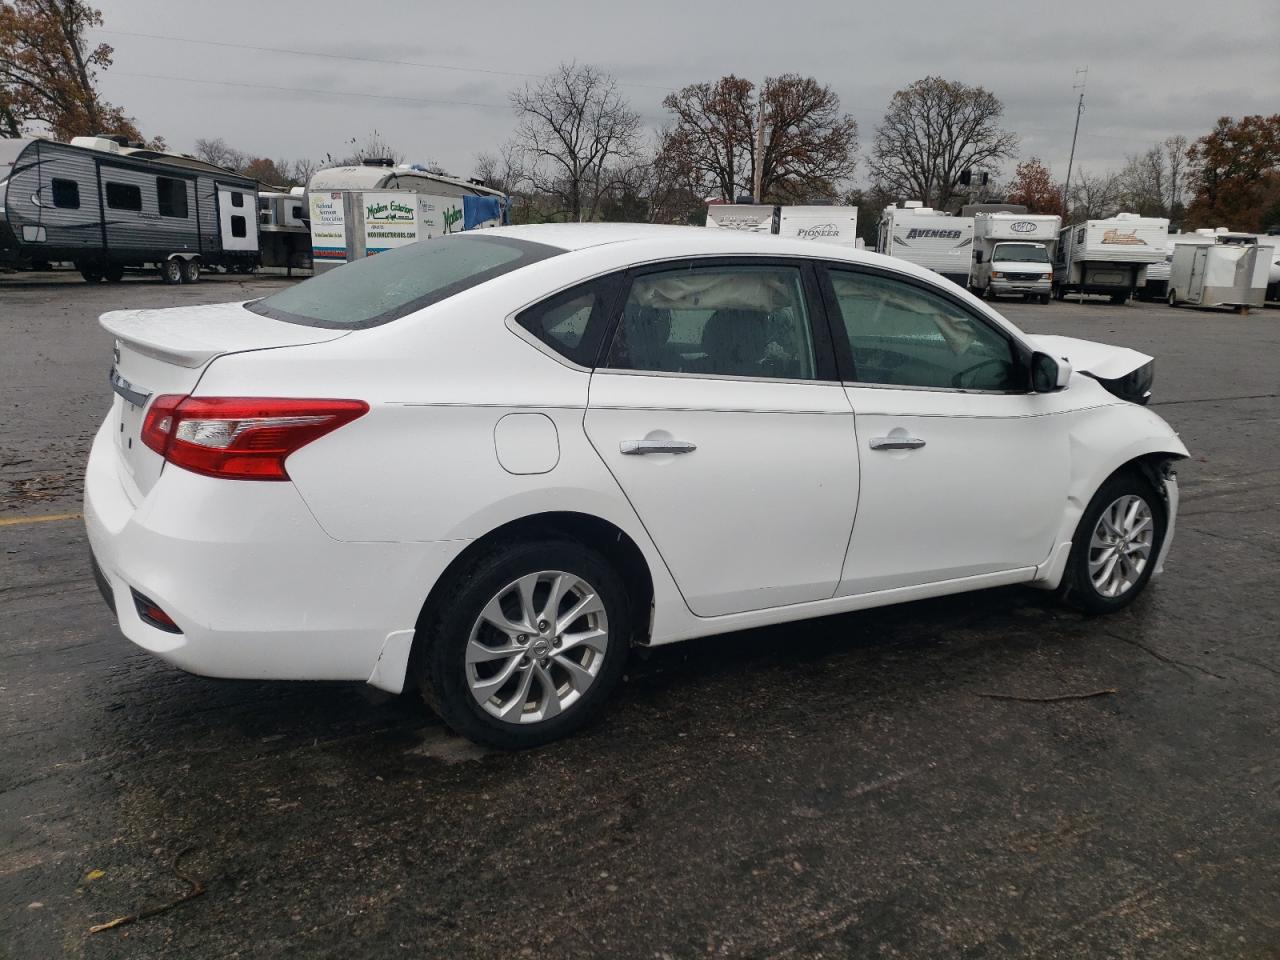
pixel 380 288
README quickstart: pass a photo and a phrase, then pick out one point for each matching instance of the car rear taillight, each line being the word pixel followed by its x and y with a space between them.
pixel 240 438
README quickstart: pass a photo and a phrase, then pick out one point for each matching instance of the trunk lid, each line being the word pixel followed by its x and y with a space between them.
pixel 167 351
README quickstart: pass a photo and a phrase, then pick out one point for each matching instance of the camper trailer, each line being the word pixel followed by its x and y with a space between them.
pixel 1013 254
pixel 1272 240
pixel 747 217
pixel 359 211
pixel 1231 270
pixel 106 206
pixel 928 238
pixel 1108 256
pixel 824 223
pixel 284 232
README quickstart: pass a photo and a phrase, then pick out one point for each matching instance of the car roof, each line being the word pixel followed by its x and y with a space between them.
pixel 642 242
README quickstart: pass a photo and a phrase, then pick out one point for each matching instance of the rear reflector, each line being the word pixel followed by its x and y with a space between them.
pixel 151 614
pixel 240 438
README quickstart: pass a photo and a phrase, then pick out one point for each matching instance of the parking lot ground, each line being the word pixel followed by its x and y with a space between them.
pixel 841 787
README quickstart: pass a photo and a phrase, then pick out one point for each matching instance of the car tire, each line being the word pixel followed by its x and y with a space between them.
pixel 1119 299
pixel 1044 299
pixel 1086 583
pixel 539 679
pixel 171 270
pixel 91 274
pixel 113 272
pixel 190 271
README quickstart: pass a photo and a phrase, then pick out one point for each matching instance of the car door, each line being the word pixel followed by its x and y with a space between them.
pixel 717 408
pixel 964 471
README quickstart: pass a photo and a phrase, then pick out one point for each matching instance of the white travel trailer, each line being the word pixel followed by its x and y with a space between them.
pixel 356 212
pixel 107 205
pixel 826 224
pixel 1231 270
pixel 1108 256
pixel 1273 276
pixel 928 238
pixel 1013 254
pixel 284 231
pixel 746 217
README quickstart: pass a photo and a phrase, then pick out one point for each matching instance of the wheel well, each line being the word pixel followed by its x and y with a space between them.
pixel 1152 467
pixel 601 535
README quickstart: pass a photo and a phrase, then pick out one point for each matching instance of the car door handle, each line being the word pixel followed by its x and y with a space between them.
pixel 896 443
pixel 641 447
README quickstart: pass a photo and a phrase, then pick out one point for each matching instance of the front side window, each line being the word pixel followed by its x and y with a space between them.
pixel 171 197
pixel 904 335
pixel 737 321
pixel 124 196
pixel 379 289
pixel 66 193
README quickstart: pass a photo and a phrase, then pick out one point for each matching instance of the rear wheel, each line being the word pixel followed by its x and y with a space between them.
pixel 91 274
pixel 190 271
pixel 171 270
pixel 114 272
pixel 1115 546
pixel 1119 298
pixel 527 645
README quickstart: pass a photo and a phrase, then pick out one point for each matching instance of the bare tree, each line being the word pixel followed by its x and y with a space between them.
pixel 1175 153
pixel 933 132
pixel 574 128
pixel 1143 183
pixel 302 169
pixel 1095 197
pixel 808 145
pixel 372 147
pixel 219 153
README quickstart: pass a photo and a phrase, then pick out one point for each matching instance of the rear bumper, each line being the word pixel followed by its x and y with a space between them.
pixel 256 588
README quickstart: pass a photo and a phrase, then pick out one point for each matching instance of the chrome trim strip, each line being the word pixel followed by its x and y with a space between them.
pixel 127 390
pixel 641 447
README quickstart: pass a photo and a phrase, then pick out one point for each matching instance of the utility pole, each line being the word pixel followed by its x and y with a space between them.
pixel 1079 83
pixel 757 174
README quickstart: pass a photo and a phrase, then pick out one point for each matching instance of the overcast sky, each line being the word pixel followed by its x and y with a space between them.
pixel 1155 68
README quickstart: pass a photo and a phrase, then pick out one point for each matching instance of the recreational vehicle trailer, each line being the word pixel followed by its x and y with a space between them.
pixel 928 238
pixel 1230 270
pixel 284 231
pixel 747 217
pixel 1108 256
pixel 824 223
pixel 105 206
pixel 1013 254
pixel 1272 240
pixel 358 211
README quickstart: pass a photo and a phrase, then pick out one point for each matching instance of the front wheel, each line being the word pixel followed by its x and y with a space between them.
pixel 1116 545
pixel 527 645
pixel 171 270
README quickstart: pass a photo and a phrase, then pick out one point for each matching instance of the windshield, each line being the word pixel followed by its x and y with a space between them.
pixel 1021 253
pixel 381 288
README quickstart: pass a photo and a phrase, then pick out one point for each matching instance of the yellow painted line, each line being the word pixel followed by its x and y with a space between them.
pixel 47 518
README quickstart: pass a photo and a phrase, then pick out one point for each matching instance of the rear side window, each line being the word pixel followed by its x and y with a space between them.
pixel 365 293
pixel 124 196
pixel 570 322
pixel 171 196
pixel 66 193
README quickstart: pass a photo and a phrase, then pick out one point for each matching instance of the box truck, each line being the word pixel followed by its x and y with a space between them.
pixel 1230 271
pixel 1108 256
pixel 928 238
pixel 1013 254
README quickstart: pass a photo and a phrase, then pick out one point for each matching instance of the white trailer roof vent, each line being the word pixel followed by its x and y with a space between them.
pixel 913 205
pixel 105 144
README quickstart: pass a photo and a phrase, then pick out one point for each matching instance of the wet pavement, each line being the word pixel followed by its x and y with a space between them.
pixel 840 787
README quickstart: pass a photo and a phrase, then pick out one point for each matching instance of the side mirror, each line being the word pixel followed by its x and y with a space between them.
pixel 1049 374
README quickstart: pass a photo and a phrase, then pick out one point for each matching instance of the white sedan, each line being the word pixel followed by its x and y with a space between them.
pixel 487 465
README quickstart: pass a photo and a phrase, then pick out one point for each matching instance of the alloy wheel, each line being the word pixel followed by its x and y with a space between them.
pixel 537 647
pixel 1120 548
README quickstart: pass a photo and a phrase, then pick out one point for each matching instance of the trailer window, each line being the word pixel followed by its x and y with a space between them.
pixel 239 227
pixel 124 196
pixel 172 197
pixel 375 290
pixel 237 199
pixel 66 193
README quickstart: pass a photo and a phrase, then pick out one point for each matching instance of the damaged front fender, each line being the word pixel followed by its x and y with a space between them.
pixel 1124 373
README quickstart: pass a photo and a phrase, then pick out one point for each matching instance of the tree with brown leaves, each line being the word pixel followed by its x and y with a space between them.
pixel 1033 187
pixel 935 130
pixel 1235 173
pixel 48 73
pixel 807 146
